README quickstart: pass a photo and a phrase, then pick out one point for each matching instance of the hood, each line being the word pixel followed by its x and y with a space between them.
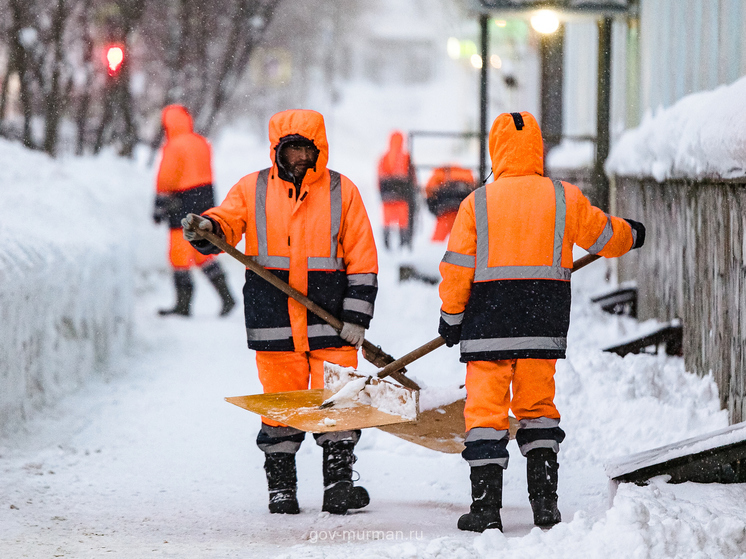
pixel 305 123
pixel 176 120
pixel 515 152
pixel 396 141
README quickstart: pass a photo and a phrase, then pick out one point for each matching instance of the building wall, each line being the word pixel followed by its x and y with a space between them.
pixel 675 48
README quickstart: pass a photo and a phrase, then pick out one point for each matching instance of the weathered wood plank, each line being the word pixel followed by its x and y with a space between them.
pixel 693 268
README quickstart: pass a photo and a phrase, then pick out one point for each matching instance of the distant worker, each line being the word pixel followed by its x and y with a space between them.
pixel 397 184
pixel 184 185
pixel 446 189
pixel 506 300
pixel 308 225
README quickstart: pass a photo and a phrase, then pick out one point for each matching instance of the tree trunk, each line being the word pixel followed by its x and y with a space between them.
pixel 54 97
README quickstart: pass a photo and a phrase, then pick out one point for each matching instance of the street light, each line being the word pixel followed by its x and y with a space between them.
pixel 545 22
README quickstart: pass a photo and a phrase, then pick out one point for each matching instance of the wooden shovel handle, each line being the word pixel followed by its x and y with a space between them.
pixel 373 353
pixel 421 351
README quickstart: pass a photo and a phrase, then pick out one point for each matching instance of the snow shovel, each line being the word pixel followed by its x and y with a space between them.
pixel 441 428
pixel 390 403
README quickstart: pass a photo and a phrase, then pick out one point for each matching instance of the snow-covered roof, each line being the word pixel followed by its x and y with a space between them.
pixel 702 136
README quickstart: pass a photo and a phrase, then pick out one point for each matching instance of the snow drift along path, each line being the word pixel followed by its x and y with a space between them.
pixel 155 464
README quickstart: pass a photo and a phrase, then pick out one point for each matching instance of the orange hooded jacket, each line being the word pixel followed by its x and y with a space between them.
pixel 184 183
pixel 506 273
pixel 321 243
pixel 396 179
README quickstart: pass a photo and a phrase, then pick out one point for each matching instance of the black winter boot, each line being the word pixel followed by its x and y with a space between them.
pixel 184 288
pixel 487 499
pixel 282 482
pixel 340 494
pixel 541 473
pixel 215 274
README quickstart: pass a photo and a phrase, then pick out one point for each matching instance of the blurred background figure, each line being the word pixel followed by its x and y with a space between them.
pixel 445 190
pixel 397 183
pixel 184 185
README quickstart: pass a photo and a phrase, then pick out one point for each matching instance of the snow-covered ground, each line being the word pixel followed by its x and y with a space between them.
pixel 152 462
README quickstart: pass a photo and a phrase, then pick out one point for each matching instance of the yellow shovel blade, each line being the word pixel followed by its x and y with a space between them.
pixel 300 409
pixel 440 429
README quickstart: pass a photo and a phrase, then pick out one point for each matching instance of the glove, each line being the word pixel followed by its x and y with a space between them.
pixel 450 333
pixel 353 333
pixel 638 232
pixel 191 223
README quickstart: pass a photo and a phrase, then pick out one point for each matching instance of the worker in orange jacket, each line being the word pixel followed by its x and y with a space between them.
pixel 397 184
pixel 184 185
pixel 307 225
pixel 506 299
pixel 444 192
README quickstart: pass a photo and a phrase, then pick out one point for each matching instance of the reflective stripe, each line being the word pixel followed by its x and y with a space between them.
pixel 525 272
pixel 603 238
pixel 335 199
pixel 286 447
pixel 452 319
pixel 546 443
pixel 282 262
pixel 484 272
pixel 485 434
pixel 370 280
pixel 358 305
pixel 510 344
pixel 338 436
pixel 560 213
pixel 538 423
pixel 502 462
pixel 321 330
pixel 483 229
pixel 260 209
pixel 268 334
pixel 325 263
pixel 458 259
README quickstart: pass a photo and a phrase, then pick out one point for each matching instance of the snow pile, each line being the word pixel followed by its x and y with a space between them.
pixel 701 136
pixel 571 154
pixel 352 389
pixel 66 271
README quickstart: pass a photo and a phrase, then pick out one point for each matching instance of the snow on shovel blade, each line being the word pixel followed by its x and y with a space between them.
pixel 352 389
pixel 379 403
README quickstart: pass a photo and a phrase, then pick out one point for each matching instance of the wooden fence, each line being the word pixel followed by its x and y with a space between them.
pixel 693 267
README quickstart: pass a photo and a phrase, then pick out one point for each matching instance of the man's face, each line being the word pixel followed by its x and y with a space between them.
pixel 298 159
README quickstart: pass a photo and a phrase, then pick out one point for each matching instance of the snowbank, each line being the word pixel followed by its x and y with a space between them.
pixel 571 154
pixel 67 264
pixel 702 136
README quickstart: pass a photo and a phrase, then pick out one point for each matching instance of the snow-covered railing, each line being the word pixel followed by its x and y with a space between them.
pixel 683 174
pixel 67 261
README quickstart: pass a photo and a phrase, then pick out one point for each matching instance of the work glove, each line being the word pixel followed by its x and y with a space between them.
pixel 450 333
pixel 353 333
pixel 191 223
pixel 638 232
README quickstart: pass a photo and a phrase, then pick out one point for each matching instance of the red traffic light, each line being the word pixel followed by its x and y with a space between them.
pixel 114 59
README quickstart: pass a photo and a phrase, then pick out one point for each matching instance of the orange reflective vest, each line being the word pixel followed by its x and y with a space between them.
pixel 321 243
pixel 506 273
pixel 184 183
